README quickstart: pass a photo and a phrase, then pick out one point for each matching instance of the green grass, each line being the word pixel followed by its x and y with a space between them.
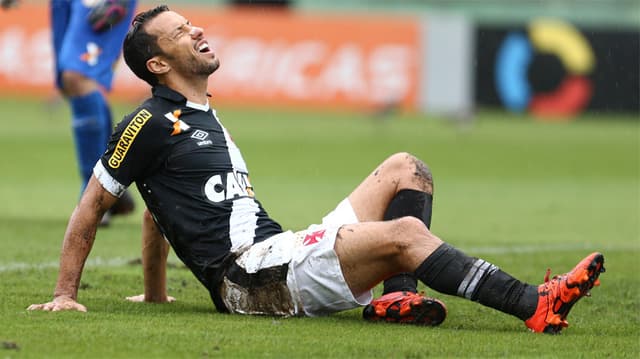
pixel 523 194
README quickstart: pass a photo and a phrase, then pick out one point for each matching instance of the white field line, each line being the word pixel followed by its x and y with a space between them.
pixel 561 247
pixel 91 263
pixel 99 262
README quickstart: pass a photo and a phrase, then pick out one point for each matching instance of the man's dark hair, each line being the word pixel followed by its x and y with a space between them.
pixel 139 46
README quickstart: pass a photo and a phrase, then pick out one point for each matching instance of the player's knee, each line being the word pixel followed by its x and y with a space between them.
pixel 409 164
pixel 412 171
pixel 76 84
pixel 399 161
pixel 397 166
pixel 406 233
pixel 410 224
pixel 410 236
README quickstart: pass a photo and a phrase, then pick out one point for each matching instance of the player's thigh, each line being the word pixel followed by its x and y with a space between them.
pixel 369 252
pixel 59 17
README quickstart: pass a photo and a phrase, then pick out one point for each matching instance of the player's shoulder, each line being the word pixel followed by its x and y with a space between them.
pixel 160 112
pixel 152 106
pixel 145 115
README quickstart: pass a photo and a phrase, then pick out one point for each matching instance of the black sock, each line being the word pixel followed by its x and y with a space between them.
pixel 407 202
pixel 405 282
pixel 450 271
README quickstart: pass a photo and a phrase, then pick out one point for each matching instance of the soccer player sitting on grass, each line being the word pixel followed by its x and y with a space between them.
pixel 195 184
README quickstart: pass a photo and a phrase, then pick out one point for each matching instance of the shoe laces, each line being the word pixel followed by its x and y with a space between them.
pixel 547 275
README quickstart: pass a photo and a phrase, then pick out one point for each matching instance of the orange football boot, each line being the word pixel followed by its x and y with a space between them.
pixel 558 295
pixel 406 307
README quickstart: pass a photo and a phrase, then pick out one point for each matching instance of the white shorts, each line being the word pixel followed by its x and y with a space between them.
pixel 293 273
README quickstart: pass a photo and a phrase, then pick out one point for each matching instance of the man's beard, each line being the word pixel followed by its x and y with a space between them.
pixel 195 66
pixel 204 69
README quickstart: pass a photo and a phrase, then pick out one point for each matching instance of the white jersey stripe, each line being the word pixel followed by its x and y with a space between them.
pixel 243 221
pixel 242 224
pixel 237 161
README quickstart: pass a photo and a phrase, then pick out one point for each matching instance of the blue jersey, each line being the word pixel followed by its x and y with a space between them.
pixel 78 48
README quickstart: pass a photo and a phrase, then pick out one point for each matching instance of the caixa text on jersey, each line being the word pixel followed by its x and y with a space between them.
pixel 222 187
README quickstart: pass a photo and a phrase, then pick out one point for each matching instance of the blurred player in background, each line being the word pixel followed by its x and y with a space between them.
pixel 87 42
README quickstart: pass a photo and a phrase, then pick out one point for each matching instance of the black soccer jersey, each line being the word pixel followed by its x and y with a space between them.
pixel 192 178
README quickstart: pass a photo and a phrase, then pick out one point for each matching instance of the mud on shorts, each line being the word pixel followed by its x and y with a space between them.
pixel 293 274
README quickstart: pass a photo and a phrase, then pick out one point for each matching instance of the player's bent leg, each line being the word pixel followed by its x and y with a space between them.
pixel 401 185
pixel 370 252
pixel 417 204
pixel 330 269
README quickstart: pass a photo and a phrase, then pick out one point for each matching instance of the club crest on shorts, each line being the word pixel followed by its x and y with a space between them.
pixel 313 237
pixel 92 54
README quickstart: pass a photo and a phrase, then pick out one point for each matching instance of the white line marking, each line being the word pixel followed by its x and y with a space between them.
pixel 91 263
pixel 100 262
pixel 564 247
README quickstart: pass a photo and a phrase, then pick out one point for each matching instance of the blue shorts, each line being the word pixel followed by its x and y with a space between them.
pixel 78 48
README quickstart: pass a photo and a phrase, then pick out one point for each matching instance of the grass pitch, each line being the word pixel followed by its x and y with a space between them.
pixel 523 194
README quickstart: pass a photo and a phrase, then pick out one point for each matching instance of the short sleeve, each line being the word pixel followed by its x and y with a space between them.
pixel 133 149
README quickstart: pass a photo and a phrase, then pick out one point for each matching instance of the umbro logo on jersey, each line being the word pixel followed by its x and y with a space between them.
pixel 201 137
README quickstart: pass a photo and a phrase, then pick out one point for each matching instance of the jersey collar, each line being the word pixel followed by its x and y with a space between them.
pixel 198 106
pixel 174 96
pixel 168 94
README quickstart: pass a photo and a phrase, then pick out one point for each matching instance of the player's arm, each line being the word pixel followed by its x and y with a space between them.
pixel 155 251
pixel 78 241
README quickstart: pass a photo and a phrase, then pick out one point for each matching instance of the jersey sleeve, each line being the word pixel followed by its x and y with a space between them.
pixel 134 150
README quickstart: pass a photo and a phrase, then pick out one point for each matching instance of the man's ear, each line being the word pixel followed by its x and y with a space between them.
pixel 158 66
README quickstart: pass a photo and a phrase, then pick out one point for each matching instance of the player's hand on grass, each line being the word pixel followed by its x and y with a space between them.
pixel 59 303
pixel 140 299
